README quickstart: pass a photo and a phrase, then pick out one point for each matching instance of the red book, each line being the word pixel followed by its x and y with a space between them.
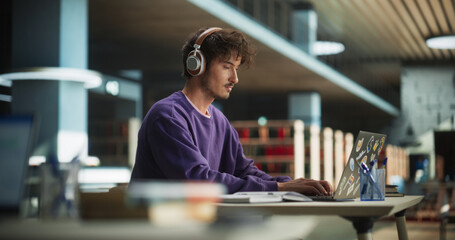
pixel 258 165
pixel 244 133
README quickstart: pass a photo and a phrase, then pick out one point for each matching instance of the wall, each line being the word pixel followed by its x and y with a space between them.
pixel 427 96
pixel 427 102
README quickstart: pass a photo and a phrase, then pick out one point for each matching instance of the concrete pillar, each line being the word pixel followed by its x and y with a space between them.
pixel 52 33
pixel 306 107
pixel 304 27
pixel 61 108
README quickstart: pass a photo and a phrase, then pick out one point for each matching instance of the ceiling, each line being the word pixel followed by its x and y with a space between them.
pixel 389 28
pixel 379 35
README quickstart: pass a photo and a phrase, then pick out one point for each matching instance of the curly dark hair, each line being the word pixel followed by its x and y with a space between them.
pixel 219 45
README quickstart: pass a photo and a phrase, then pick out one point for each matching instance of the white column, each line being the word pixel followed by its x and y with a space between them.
pixel 339 162
pixel 299 149
pixel 328 155
pixel 315 152
pixel 349 142
pixel 390 162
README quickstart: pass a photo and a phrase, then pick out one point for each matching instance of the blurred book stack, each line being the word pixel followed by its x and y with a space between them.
pixel 392 191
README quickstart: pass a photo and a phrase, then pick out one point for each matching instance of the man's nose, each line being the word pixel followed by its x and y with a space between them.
pixel 234 77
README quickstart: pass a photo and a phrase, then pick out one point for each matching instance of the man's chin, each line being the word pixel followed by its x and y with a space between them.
pixel 224 97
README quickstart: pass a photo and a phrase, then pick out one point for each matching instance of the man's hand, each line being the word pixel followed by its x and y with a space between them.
pixel 306 186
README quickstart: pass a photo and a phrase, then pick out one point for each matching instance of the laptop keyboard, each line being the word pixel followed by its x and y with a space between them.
pixel 321 198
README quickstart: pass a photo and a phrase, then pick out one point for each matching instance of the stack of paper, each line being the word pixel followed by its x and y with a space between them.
pixel 392 191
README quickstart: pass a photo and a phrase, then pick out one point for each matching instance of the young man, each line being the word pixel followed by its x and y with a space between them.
pixel 184 137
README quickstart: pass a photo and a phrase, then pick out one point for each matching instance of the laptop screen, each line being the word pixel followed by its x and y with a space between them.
pixel 15 143
pixel 366 148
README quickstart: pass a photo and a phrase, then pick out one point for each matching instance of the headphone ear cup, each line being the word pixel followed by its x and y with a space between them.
pixel 195 63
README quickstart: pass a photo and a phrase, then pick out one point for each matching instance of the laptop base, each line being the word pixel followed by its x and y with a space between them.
pixel 329 199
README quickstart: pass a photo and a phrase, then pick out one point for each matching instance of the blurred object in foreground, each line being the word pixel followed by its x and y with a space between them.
pixel 102 178
pixel 177 203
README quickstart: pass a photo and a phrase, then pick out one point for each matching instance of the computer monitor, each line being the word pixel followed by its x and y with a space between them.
pixel 16 141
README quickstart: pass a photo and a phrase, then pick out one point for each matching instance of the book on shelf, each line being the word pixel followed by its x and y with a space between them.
pixel 244 133
pixel 271 146
pixel 283 132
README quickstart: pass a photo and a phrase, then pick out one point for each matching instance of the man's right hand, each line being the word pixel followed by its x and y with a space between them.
pixel 307 186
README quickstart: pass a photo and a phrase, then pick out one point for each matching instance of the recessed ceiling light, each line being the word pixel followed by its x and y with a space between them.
pixel 327 48
pixel 441 42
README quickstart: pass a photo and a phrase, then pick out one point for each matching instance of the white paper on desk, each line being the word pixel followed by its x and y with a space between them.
pixel 233 198
pixel 263 197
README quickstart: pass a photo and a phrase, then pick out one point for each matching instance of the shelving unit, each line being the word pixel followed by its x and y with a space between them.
pixel 114 142
pixel 276 148
pixel 288 148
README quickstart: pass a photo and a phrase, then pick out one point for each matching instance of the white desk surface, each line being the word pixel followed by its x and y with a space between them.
pixel 267 229
pixel 272 228
pixel 356 208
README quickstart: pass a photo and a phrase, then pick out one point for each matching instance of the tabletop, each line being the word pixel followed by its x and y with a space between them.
pixel 357 208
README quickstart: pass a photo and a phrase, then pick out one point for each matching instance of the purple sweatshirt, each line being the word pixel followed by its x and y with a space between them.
pixel 177 142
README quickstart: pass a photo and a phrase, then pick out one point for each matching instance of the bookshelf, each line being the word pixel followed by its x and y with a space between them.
pixel 288 148
pixel 114 142
pixel 277 147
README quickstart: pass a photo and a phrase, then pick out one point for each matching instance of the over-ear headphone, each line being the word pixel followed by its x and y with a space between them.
pixel 195 62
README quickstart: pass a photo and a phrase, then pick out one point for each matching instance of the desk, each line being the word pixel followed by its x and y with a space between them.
pixel 362 214
pixel 71 229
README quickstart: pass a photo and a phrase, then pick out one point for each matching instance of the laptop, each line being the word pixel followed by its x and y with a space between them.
pixel 16 143
pixel 366 149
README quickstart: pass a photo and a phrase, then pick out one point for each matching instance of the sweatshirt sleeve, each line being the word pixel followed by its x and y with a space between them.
pixel 178 158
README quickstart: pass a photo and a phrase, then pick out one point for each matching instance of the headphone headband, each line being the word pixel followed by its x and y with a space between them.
pixel 205 34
